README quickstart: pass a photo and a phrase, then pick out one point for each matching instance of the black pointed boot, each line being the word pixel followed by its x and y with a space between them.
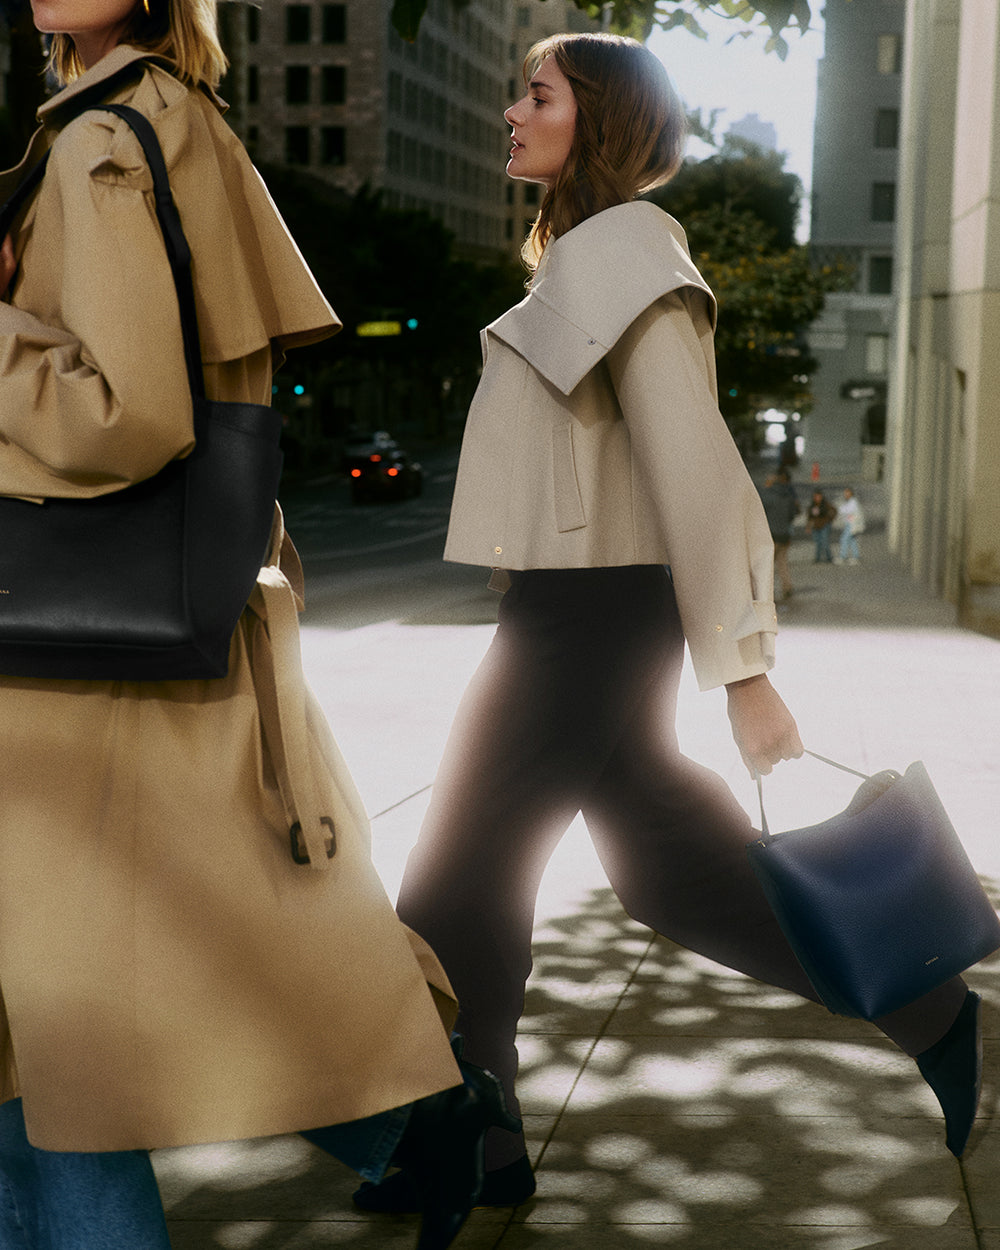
pixel 953 1068
pixel 442 1151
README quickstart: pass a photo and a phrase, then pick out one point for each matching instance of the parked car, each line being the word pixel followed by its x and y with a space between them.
pixel 378 468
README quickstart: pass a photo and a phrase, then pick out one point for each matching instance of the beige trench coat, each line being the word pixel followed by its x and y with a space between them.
pixel 595 438
pixel 169 974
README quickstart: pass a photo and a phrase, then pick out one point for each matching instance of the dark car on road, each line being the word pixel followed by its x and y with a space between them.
pixel 378 468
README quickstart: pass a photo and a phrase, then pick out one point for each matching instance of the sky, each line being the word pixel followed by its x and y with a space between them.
pixel 738 76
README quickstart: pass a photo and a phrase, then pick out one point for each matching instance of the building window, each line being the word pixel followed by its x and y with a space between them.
pixel 253 24
pixel 297 23
pixel 887 128
pixel 531 194
pixel 877 354
pixel 395 92
pixel 880 275
pixel 334 145
pixel 883 201
pixel 334 84
pixel 253 84
pixel 296 84
pixel 334 23
pixel 889 56
pixel 297 145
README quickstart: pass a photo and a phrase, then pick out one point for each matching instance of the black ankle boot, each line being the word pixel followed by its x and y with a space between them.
pixel 442 1151
pixel 953 1068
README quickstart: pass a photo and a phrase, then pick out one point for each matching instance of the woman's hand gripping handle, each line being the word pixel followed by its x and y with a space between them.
pixel 764 729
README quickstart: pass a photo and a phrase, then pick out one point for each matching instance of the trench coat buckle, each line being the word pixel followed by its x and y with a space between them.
pixel 299 853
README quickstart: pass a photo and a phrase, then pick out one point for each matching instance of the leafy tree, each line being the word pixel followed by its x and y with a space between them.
pixel 381 264
pixel 739 208
pixel 639 17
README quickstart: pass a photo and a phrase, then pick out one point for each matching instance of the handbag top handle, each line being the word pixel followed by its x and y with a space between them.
pixel 175 241
pixel 765 832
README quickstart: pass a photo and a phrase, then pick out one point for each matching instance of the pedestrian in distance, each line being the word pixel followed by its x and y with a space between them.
pixel 599 481
pixel 781 507
pixel 851 519
pixel 170 971
pixel 820 516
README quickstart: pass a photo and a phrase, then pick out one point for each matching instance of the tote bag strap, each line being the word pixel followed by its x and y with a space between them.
pixel 175 241
pixel 765 832
pixel 178 251
pixel 93 97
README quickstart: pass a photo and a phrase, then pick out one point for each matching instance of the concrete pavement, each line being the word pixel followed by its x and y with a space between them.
pixel 669 1101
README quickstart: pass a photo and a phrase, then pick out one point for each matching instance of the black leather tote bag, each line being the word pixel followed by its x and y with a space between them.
pixel 145 583
pixel 880 903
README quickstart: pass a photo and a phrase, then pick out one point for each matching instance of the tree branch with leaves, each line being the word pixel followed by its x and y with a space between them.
pixel 771 18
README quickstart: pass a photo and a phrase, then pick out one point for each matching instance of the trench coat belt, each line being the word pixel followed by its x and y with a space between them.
pixel 283 703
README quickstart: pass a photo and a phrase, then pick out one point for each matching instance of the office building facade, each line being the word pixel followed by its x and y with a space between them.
pixel 944 417
pixel 332 88
pixel 854 199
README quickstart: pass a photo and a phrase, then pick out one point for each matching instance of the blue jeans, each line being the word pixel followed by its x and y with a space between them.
pixel 821 542
pixel 63 1200
pixel 849 549
pixel 67 1201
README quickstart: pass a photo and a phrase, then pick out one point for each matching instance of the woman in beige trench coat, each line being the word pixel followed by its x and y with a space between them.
pixel 168 973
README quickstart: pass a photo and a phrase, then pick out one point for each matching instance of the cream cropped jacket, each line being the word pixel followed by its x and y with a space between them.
pixel 595 438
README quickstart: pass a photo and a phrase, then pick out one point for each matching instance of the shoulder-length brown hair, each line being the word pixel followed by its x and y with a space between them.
pixel 186 32
pixel 629 134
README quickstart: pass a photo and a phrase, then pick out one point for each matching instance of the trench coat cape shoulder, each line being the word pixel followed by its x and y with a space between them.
pixel 595 438
pixel 168 974
pixel 91 329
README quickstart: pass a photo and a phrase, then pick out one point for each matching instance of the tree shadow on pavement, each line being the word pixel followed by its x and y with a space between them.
pixel 667 1100
pixel 711 1110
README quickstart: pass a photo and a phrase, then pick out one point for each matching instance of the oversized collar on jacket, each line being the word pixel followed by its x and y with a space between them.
pixel 109 67
pixel 592 284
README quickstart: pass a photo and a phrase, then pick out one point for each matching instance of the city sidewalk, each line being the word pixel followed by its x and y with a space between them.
pixel 667 1100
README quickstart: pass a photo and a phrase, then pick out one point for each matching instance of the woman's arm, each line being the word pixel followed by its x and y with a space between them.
pixel 93 391
pixel 690 475
pixel 720 549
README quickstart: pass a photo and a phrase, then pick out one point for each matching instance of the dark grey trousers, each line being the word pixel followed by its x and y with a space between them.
pixel 572 709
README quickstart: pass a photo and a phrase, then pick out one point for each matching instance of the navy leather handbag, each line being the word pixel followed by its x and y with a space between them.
pixel 880 903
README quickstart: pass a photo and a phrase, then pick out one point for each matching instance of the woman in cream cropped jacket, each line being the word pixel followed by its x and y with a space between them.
pixel 600 483
pixel 595 438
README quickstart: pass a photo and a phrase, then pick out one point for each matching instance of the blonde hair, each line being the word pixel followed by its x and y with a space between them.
pixel 629 134
pixel 184 31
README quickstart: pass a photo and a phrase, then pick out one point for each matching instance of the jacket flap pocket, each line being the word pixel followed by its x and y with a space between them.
pixel 569 504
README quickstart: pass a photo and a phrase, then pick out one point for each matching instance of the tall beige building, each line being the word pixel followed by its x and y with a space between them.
pixel 331 87
pixel 944 416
